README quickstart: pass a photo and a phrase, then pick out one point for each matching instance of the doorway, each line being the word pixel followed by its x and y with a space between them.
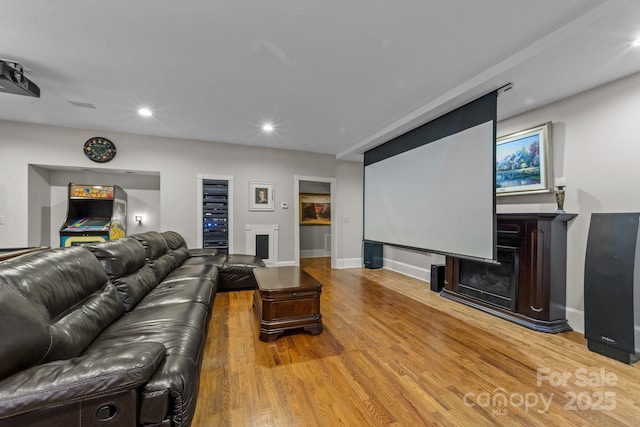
pixel 318 239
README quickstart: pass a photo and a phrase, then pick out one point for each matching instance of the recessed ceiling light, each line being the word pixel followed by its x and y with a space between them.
pixel 267 127
pixel 145 112
pixel 636 42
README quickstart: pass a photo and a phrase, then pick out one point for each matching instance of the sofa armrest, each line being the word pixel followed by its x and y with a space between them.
pixel 87 376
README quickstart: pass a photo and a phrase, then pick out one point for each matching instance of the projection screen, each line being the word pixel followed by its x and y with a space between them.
pixel 433 188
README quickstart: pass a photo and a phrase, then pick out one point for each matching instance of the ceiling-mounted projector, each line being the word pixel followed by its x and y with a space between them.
pixel 13 80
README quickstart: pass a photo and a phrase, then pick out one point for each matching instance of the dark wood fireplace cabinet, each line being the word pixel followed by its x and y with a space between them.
pixel 528 286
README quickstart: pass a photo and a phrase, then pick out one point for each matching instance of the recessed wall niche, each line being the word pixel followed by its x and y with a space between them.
pixel 47 198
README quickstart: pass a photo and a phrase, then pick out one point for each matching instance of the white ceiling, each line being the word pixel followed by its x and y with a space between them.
pixel 334 76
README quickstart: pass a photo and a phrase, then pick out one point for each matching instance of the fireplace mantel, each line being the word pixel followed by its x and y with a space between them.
pixel 541 240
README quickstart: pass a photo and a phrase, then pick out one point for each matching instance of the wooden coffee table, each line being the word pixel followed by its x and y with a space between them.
pixel 286 298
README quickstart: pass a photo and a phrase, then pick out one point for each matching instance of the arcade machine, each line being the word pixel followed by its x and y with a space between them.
pixel 96 213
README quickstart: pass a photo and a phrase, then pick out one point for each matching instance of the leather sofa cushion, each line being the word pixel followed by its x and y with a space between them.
pixel 74 331
pixel 119 257
pixel 154 244
pixel 52 306
pixel 177 247
pixel 173 389
pixel 198 270
pixel 188 289
pixel 124 261
pixel 196 252
pixel 82 413
pixel 179 327
pixel 174 240
pixel 178 255
pixel 237 271
pixel 216 260
pixel 59 382
pixel 242 262
pixel 156 249
pixel 24 331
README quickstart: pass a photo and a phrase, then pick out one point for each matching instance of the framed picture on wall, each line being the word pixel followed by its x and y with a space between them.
pixel 260 196
pixel 315 209
pixel 523 162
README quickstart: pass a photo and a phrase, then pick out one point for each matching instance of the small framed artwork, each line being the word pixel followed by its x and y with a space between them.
pixel 523 162
pixel 260 196
pixel 315 209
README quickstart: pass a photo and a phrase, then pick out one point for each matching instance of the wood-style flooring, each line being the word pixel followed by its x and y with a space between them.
pixel 394 353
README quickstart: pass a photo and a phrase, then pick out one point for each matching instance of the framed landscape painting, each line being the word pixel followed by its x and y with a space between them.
pixel 315 209
pixel 523 162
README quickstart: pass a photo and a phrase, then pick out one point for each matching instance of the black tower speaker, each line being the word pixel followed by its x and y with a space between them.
pixel 372 255
pixel 437 277
pixel 612 286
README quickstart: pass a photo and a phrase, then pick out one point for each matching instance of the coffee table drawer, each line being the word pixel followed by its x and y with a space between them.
pixel 299 307
pixel 276 296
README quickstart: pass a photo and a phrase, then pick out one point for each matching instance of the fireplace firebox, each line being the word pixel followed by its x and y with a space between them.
pixel 496 284
pixel 528 284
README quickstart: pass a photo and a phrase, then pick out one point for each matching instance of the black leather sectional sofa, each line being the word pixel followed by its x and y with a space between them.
pixel 109 334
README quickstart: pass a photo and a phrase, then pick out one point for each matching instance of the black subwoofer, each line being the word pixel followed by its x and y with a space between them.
pixel 612 286
pixel 372 255
pixel 437 277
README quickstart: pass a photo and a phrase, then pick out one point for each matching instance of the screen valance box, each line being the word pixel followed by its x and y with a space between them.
pixel 433 188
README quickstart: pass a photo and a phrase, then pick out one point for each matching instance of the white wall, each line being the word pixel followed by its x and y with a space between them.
pixel 143 198
pixel 39 202
pixel 178 162
pixel 413 263
pixel 595 146
pixel 349 214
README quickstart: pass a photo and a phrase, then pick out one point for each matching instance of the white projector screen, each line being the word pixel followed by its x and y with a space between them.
pixel 438 196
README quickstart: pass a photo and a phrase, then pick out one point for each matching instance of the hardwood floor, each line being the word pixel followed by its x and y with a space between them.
pixel 394 353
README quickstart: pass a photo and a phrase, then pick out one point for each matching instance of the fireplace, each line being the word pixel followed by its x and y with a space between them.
pixel 496 284
pixel 527 285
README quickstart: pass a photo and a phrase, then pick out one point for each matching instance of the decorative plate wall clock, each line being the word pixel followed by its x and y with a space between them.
pixel 99 149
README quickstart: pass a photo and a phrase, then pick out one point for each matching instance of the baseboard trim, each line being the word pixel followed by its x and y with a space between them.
pixel 313 253
pixel 283 264
pixel 349 263
pixel 340 264
pixel 575 318
pixel 407 269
